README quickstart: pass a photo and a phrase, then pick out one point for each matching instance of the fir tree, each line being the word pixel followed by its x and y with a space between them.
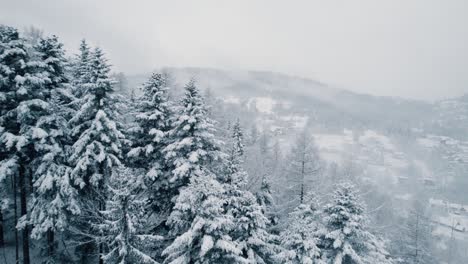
pixel 81 70
pixel 235 173
pixel 124 221
pixel 53 195
pixel 250 223
pixel 250 226
pixel 204 227
pixel 238 138
pixel 152 123
pixel 27 88
pixel 97 145
pixel 13 58
pixel 192 146
pixel 301 237
pixel 266 201
pixel 149 137
pixel 346 239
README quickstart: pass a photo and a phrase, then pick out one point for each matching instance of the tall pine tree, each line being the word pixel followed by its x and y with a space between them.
pixel 301 237
pixel 204 227
pixel 347 239
pixel 124 222
pixel 12 61
pixel 53 197
pixel 26 90
pixel 98 143
pixel 192 146
pixel 149 135
pixel 250 223
pixel 81 69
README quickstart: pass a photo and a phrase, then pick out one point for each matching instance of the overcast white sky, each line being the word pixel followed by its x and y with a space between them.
pixel 409 48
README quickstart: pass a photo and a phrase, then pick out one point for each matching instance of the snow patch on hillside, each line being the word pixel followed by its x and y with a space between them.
pixel 264 104
pixel 232 100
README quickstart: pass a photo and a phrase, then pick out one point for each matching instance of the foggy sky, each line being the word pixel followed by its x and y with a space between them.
pixel 409 48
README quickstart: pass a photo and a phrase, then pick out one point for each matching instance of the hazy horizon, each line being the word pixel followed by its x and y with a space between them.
pixel 416 49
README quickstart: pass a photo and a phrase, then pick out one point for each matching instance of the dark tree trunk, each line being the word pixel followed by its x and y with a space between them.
pixel 101 251
pixel 50 243
pixel 2 239
pixel 15 204
pixel 302 181
pixel 102 207
pixel 24 211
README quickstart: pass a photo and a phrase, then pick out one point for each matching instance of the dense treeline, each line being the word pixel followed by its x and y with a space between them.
pixel 92 176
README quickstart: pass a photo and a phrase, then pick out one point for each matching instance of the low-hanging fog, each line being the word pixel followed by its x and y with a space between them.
pixel 411 49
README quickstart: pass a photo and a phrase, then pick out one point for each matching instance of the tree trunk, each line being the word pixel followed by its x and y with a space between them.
pixel 302 180
pixel 102 207
pixel 50 243
pixel 24 211
pixel 2 239
pixel 15 204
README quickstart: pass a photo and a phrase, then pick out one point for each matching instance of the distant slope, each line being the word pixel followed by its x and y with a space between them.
pixel 328 104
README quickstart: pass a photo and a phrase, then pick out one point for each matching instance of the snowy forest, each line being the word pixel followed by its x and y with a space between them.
pixel 194 165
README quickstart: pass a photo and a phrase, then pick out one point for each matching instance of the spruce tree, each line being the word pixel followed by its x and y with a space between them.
pixel 53 197
pixel 81 70
pixel 124 221
pixel 301 237
pixel 238 138
pixel 26 89
pixel 250 223
pixel 267 203
pixel 347 240
pixel 13 59
pixel 149 135
pixel 192 146
pixel 97 145
pixel 204 227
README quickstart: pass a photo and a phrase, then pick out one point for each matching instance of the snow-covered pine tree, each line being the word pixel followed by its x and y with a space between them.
pixel 250 227
pixel 98 147
pixel 97 143
pixel 81 70
pixel 266 201
pixel 235 173
pixel 124 221
pixel 153 113
pixel 238 138
pixel 148 134
pixel 347 239
pixel 301 237
pixel 27 89
pixel 192 145
pixel 13 58
pixel 204 227
pixel 53 197
pixel 250 223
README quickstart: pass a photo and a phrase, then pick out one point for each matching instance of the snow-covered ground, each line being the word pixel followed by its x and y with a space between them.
pixel 375 152
pixel 451 219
